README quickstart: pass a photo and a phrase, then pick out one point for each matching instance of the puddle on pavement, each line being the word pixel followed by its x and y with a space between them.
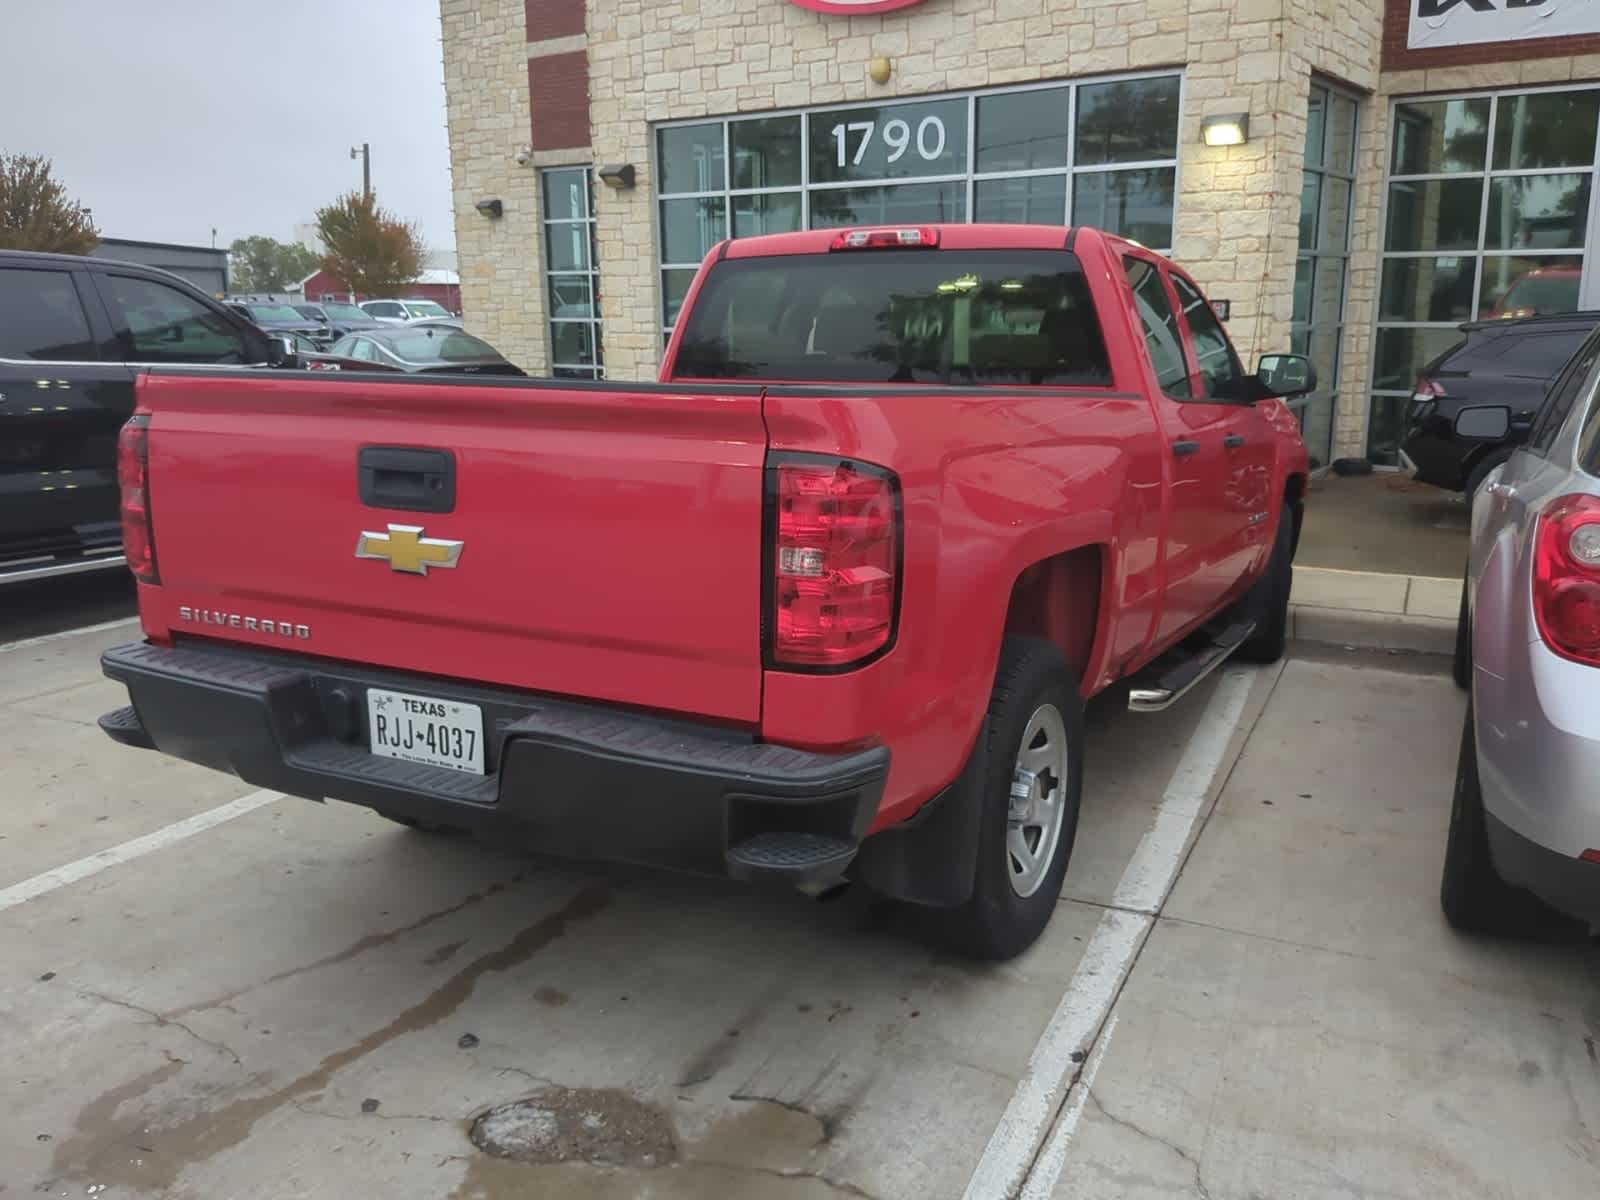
pixel 591 1144
pixel 150 1147
pixel 591 1125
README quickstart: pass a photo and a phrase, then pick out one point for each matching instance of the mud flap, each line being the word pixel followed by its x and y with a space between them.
pixel 932 858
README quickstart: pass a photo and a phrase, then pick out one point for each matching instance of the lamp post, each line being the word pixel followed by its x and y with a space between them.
pixel 364 153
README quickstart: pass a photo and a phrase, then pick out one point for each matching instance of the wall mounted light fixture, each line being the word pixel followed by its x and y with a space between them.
pixel 1228 129
pixel 619 175
pixel 492 209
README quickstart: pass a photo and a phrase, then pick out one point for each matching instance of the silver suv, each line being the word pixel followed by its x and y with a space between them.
pixel 1525 823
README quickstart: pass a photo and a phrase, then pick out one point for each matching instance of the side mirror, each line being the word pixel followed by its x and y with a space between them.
pixel 174 332
pixel 1484 423
pixel 1285 375
pixel 281 353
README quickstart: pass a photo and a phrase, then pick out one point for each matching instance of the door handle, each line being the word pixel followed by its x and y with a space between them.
pixel 1233 441
pixel 1185 448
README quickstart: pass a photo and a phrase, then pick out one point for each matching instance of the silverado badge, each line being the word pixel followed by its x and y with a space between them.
pixel 405 549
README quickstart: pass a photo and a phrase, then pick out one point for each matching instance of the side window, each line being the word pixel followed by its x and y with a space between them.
pixel 384 310
pixel 1219 365
pixel 44 318
pixel 1160 323
pixel 156 323
pixel 365 350
pixel 1560 400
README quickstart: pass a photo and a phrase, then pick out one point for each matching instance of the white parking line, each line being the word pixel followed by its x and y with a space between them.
pixel 66 633
pixel 1110 952
pixel 74 872
pixel 1047 1170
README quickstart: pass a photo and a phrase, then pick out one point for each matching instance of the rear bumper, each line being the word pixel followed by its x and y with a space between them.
pixel 584 781
pixel 1570 885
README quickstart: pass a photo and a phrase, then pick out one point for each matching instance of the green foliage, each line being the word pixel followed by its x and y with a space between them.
pixel 261 264
pixel 35 211
pixel 369 250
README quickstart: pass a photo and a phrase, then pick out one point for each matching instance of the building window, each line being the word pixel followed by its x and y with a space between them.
pixel 573 273
pixel 1100 153
pixel 1323 265
pixel 1487 216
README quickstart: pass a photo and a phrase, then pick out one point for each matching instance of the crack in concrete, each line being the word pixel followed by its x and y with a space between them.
pixel 162 1022
pixel 541 1080
pixel 843 1186
pixel 1192 1161
pixel 360 946
pixel 307 1110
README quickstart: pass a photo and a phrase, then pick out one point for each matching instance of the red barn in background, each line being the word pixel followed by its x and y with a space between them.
pixel 433 284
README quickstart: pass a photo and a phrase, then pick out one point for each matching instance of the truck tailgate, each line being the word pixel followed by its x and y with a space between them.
pixel 609 538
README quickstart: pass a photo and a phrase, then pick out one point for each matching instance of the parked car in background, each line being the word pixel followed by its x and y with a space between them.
pixel 337 317
pixel 281 317
pixel 72 332
pixel 1499 362
pixel 1525 820
pixel 400 312
pixel 1540 292
pixel 431 348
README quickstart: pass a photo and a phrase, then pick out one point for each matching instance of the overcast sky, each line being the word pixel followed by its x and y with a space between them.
pixel 168 117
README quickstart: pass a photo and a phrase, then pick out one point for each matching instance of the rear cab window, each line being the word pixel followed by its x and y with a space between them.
pixel 897 316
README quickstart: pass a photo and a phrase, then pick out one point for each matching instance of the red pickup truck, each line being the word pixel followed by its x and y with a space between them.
pixel 823 604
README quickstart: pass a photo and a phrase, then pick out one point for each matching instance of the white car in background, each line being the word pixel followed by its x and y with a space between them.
pixel 403 312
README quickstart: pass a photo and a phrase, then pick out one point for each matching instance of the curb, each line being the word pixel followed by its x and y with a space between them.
pixel 1374 611
pixel 1371 630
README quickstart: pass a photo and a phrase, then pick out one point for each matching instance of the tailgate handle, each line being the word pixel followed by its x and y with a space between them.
pixel 409 478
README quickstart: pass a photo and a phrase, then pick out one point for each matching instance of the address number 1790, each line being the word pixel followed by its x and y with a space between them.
pixel 896 136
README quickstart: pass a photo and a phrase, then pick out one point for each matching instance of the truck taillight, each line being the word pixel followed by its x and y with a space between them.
pixel 133 475
pixel 834 587
pixel 1566 578
pixel 1425 397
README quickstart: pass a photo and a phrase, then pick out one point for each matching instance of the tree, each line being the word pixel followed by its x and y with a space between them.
pixel 370 250
pixel 261 264
pixel 35 211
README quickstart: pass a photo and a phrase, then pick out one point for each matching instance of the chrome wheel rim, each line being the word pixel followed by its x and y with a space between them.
pixel 1037 804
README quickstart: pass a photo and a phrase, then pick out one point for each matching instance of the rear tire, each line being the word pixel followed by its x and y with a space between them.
pixel 1461 664
pixel 1268 600
pixel 1029 783
pixel 1474 897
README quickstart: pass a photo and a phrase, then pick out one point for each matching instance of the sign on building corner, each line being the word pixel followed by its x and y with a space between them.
pixel 854 7
pixel 1468 22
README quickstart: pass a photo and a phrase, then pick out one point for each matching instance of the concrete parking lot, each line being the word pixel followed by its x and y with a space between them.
pixel 1247 990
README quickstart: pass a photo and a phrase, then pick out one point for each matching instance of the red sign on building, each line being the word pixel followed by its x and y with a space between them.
pixel 855 7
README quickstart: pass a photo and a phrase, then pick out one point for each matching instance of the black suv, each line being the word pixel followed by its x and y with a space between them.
pixel 1498 362
pixel 73 333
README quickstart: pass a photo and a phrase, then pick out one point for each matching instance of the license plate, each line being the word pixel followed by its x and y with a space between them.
pixel 424 729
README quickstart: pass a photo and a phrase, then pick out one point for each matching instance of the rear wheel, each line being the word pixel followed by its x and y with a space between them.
pixel 1268 601
pixel 1461 665
pixel 1029 785
pixel 1474 897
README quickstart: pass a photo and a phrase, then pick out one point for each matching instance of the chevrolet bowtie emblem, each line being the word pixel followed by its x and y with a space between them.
pixel 405 549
